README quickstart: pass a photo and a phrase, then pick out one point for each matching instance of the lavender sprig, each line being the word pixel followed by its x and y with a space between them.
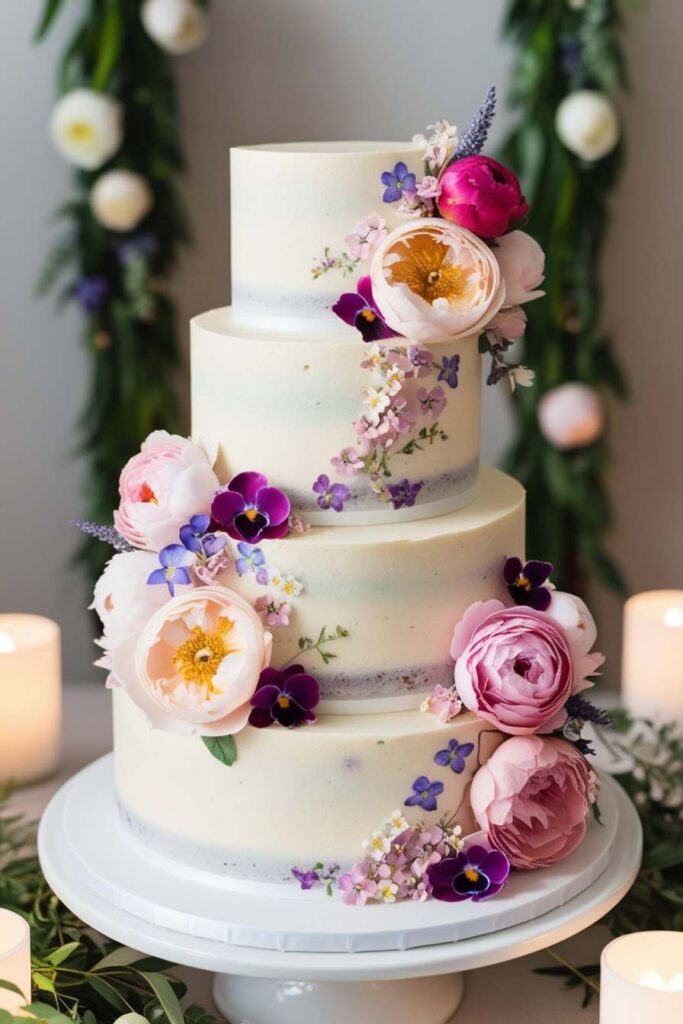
pixel 107 534
pixel 577 707
pixel 473 139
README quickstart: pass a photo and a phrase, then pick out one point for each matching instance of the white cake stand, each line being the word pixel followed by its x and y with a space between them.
pixel 280 958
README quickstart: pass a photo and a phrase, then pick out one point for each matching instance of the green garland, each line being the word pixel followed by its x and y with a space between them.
pixel 564 45
pixel 131 340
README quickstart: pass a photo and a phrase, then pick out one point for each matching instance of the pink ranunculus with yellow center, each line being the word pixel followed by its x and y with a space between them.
pixel 517 667
pixel 195 665
pixel 434 280
pixel 482 195
pixel 167 482
pixel 532 798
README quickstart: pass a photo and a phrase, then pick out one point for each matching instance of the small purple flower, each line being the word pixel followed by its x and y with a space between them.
pixel 448 371
pixel 526 582
pixel 359 310
pixel 92 292
pixel 475 874
pixel 253 560
pixel 454 755
pixel 432 403
pixel 331 495
pixel 250 510
pixel 139 245
pixel 424 794
pixel 421 358
pixel 397 182
pixel 195 538
pixel 403 494
pixel 174 558
pixel 306 879
pixel 287 696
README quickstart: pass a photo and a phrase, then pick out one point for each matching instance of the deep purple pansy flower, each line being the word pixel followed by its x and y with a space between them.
pixel 475 874
pixel 331 495
pixel 287 696
pixel 248 509
pixel 448 371
pixel 174 559
pixel 196 538
pixel 526 582
pixel 403 494
pixel 92 292
pixel 306 879
pixel 424 794
pixel 397 182
pixel 359 309
pixel 454 755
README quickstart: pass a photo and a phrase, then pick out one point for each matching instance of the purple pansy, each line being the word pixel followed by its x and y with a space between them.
pixel 403 494
pixel 195 538
pixel 454 755
pixel 475 874
pixel 253 560
pixel 331 495
pixel 526 582
pixel 287 696
pixel 359 310
pixel 448 371
pixel 397 182
pixel 248 509
pixel 92 292
pixel 174 559
pixel 306 879
pixel 424 794
pixel 421 358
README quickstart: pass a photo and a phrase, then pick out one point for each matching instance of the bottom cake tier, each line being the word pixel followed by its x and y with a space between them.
pixel 293 797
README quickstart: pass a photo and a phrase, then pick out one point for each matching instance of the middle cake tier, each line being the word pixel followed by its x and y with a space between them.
pixel 371 610
pixel 353 432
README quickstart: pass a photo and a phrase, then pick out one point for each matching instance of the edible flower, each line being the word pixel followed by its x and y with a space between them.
pixel 248 509
pixel 454 755
pixel 527 582
pixel 475 874
pixel 403 494
pixel 424 794
pixel 397 182
pixel 174 559
pixel 358 309
pixel 330 495
pixel 287 696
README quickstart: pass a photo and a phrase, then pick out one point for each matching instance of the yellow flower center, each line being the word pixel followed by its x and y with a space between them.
pixel 80 131
pixel 523 582
pixel 471 875
pixel 199 657
pixel 423 266
pixel 283 701
pixel 368 315
pixel 251 514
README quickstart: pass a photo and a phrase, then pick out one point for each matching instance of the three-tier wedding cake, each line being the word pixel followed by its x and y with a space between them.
pixel 330 663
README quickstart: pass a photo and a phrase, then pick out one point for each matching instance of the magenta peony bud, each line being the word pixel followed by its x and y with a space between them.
pixel 483 196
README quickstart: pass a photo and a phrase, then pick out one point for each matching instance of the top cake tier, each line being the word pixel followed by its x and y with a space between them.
pixel 288 203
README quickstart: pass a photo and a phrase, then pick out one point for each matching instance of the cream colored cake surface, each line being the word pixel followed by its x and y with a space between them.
pixel 292 796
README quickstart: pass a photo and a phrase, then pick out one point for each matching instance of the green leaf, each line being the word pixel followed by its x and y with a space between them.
pixel 63 953
pixel 109 46
pixel 50 12
pixel 161 987
pixel 122 956
pixel 6 1017
pixel 109 993
pixel 11 987
pixel 223 748
pixel 43 983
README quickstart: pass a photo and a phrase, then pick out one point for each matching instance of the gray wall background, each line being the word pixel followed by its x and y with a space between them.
pixel 276 70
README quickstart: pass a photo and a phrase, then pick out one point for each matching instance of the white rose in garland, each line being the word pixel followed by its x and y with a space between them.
pixel 177 26
pixel 87 127
pixel 587 124
pixel 571 416
pixel 120 199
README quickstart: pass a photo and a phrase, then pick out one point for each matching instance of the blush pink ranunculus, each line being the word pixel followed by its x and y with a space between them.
pixel 522 266
pixel 160 488
pixel 532 798
pixel 515 666
pixel 482 195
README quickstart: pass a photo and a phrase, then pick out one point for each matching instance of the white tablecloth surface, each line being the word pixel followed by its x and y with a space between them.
pixel 506 994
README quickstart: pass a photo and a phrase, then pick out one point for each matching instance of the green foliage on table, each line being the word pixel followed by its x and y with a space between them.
pixel 563 47
pixel 132 341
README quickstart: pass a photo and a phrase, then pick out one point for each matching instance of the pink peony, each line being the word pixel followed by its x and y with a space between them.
pixel 443 702
pixel 522 265
pixel 517 667
pixel 123 600
pixel 532 798
pixel 507 325
pixel 482 195
pixel 169 480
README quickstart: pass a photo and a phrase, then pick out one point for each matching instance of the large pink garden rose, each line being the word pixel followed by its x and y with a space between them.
pixel 482 195
pixel 169 480
pixel 522 264
pixel 532 798
pixel 517 667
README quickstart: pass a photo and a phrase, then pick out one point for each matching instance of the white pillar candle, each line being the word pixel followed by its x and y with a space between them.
pixel 641 979
pixel 15 960
pixel 652 673
pixel 30 697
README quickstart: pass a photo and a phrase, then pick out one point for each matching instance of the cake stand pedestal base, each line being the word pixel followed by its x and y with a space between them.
pixel 288 960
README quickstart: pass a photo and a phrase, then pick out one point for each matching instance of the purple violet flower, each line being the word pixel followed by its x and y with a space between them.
pixel 421 358
pixel 358 309
pixel 424 794
pixel 397 182
pixel 454 755
pixel 195 538
pixel 174 559
pixel 448 371
pixel 526 582
pixel 331 495
pixel 248 509
pixel 92 292
pixel 403 494
pixel 253 560
pixel 475 874
pixel 306 879
pixel 287 696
